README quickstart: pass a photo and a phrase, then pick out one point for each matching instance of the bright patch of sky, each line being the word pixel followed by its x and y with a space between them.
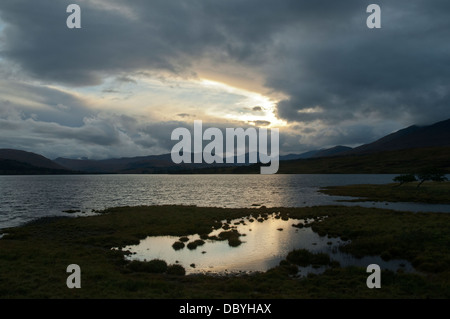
pixel 165 98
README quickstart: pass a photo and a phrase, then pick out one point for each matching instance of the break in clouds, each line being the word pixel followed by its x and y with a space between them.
pixel 333 80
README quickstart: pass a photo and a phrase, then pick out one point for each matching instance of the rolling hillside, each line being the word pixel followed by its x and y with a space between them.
pixel 16 162
pixel 405 151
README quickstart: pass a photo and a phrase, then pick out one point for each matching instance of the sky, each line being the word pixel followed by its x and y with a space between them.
pixel 138 69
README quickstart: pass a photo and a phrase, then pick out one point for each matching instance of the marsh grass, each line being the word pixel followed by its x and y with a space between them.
pixel 34 257
pixel 152 266
pixel 176 270
pixel 428 192
pixel 303 257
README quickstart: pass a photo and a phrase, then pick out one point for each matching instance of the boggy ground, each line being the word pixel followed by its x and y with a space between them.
pixel 428 192
pixel 34 257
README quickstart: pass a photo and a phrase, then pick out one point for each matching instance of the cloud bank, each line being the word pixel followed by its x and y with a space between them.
pixel 333 80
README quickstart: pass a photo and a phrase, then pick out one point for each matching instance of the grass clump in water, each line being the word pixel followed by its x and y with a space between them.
pixel 232 236
pixel 178 245
pixel 234 242
pixel 194 244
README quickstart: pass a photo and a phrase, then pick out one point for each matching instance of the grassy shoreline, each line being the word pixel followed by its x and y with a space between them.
pixel 428 192
pixel 34 257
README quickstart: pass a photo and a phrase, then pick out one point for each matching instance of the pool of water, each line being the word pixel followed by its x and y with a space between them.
pixel 264 244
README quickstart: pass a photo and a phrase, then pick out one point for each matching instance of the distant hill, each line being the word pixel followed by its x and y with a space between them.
pixel 435 135
pixel 28 158
pixel 406 151
pixel 153 164
pixel 163 163
pixel 131 164
pixel 388 162
pixel 334 151
pixel 16 162
pixel 298 156
pixel 317 153
pixel 403 151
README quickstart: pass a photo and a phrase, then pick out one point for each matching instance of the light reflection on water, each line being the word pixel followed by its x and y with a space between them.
pixel 23 198
pixel 264 245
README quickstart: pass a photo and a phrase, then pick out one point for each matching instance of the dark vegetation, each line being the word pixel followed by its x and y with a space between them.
pixel 428 192
pixel 408 161
pixel 430 174
pixel 303 257
pixel 12 167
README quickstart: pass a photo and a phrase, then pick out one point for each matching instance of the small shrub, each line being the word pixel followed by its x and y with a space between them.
pixel 406 178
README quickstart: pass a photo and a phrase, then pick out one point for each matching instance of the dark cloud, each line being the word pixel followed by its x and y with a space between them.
pixel 345 83
pixel 46 103
pixel 149 34
pixel 100 136
pixel 397 72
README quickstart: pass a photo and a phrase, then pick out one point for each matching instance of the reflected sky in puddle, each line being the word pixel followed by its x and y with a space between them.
pixel 264 245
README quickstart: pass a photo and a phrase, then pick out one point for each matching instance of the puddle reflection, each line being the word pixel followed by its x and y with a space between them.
pixel 264 244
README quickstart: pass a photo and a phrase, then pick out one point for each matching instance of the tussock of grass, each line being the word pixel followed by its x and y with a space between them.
pixel 232 236
pixel 178 245
pixel 193 245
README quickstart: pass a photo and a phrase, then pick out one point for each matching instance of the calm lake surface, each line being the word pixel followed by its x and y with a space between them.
pixel 24 198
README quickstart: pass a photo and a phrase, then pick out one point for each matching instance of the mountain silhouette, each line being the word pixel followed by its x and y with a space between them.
pixel 17 162
pixel 428 138
pixel 435 135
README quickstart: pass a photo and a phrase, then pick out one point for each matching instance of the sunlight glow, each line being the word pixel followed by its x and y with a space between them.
pixel 254 108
